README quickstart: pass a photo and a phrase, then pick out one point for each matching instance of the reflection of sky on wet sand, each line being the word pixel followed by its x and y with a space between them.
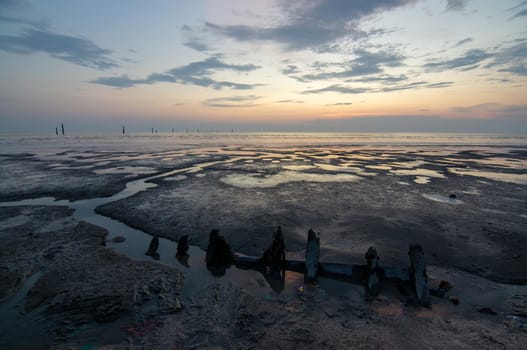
pixel 254 181
pixel 422 180
pixel 417 157
pixel 344 169
pixel 442 199
pixel 418 172
pixel 520 179
pixel 126 170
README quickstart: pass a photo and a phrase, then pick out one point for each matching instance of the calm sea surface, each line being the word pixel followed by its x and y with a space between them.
pixel 162 141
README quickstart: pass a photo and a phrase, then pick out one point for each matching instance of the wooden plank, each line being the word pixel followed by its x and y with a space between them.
pixel 401 273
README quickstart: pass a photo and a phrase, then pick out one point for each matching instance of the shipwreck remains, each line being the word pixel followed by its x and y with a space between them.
pixel 274 263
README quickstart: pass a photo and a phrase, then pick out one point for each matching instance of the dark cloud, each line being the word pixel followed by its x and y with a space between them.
pixel 384 79
pixel 494 109
pixel 195 73
pixel 340 104
pixel 512 59
pixel 418 84
pixel 470 60
pixel 519 9
pixel 340 89
pixel 521 13
pixel 11 3
pixel 518 70
pixel 365 63
pixel 197 45
pixel 122 82
pixel 232 102
pixel 312 23
pixel 68 48
pixel 359 90
pixel 289 101
pixel 290 69
pixel 463 42
pixel 43 24
pixel 456 5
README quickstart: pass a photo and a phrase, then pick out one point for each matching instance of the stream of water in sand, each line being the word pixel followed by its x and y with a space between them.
pixel 136 242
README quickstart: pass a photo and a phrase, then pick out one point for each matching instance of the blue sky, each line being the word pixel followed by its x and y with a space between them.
pixel 98 64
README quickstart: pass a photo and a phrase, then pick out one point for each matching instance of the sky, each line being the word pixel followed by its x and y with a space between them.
pixel 315 65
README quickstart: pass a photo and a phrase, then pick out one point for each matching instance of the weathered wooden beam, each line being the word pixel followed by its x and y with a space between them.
pixel 312 255
pixel 418 274
pixel 372 269
pixel 401 273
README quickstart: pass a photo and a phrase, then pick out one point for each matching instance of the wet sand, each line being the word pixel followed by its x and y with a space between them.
pixel 67 279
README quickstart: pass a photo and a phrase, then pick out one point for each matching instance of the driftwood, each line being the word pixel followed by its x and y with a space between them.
pixel 312 255
pixel 418 274
pixel 272 264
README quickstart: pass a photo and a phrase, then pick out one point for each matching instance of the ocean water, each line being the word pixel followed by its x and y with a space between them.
pixel 46 144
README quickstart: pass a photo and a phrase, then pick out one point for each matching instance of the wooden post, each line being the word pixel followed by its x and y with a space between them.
pixel 182 245
pixel 218 250
pixel 152 248
pixel 312 255
pixel 62 126
pixel 372 279
pixel 274 256
pixel 418 274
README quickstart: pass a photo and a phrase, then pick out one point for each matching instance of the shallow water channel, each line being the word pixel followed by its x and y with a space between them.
pixel 136 243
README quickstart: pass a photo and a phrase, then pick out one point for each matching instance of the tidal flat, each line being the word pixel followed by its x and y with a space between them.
pixel 78 214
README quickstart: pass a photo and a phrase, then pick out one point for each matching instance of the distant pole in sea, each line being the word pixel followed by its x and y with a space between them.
pixel 62 127
pixel 152 130
pixel 172 130
pixel 57 130
pixel 124 131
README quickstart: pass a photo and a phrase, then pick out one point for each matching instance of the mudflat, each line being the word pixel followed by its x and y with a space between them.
pixel 75 273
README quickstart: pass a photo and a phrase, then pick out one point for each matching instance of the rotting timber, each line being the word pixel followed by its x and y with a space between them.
pixel 273 263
